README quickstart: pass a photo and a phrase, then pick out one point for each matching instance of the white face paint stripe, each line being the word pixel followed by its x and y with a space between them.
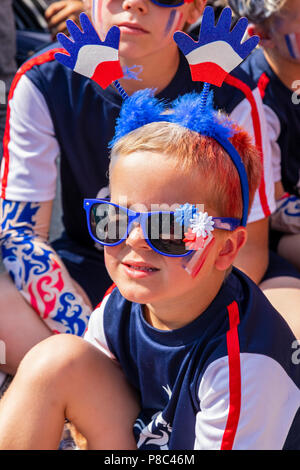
pixel 97 18
pixel 219 52
pixel 178 19
pixel 94 11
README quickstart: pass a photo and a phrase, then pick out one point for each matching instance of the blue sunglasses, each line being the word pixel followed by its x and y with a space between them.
pixel 168 3
pixel 110 224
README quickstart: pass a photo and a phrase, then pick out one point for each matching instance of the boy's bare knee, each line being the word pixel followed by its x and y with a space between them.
pixel 7 289
pixel 53 359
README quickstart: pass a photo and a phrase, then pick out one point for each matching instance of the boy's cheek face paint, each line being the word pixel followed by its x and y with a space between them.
pixel 97 18
pixel 194 262
pixel 173 22
pixel 293 44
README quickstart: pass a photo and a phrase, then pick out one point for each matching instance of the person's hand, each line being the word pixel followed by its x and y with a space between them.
pixel 88 55
pixel 58 12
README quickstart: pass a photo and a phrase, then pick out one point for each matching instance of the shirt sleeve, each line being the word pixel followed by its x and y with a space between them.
pixel 264 199
pixel 245 414
pixel 274 130
pixel 29 164
pixel 95 333
pixel 35 268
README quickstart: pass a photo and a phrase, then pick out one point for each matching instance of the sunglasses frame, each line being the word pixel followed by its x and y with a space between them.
pixel 141 217
pixel 166 5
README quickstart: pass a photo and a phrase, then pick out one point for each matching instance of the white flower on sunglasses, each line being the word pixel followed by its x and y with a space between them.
pixel 202 224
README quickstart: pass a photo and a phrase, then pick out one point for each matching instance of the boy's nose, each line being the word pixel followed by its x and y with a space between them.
pixel 136 238
pixel 138 5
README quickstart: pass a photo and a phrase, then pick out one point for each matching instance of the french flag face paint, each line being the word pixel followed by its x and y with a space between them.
pixel 97 17
pixel 198 237
pixel 293 44
pixel 173 22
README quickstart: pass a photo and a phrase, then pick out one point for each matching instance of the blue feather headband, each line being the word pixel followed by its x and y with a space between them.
pixel 143 108
pixel 189 111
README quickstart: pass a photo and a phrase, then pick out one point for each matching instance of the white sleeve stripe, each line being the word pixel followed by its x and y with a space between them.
pixel 265 416
pixel 25 146
pixel 95 333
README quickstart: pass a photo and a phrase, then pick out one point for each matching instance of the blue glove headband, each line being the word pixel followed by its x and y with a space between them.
pixel 217 52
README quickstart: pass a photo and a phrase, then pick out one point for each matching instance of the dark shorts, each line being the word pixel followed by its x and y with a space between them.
pixel 278 267
pixel 85 266
pixel 274 239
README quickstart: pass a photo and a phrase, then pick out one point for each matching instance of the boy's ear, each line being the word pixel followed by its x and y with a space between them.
pixel 265 38
pixel 233 242
pixel 196 8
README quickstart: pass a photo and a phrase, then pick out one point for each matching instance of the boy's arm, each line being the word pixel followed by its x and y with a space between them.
pixel 29 174
pixel 60 11
pixel 252 412
pixel 253 257
pixel 37 271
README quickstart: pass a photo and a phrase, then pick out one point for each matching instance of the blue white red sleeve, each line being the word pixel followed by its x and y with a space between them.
pixel 36 270
pixel 255 413
pixel 95 333
pixel 30 165
pixel 264 199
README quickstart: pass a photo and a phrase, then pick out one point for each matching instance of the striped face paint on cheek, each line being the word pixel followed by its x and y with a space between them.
pixel 293 44
pixel 97 18
pixel 173 22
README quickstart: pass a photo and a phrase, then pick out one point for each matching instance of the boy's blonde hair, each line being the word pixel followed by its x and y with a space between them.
pixel 193 151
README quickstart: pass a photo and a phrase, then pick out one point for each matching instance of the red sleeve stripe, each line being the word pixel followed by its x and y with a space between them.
pixel 38 60
pixel 109 291
pixel 233 349
pixel 235 82
pixel 262 84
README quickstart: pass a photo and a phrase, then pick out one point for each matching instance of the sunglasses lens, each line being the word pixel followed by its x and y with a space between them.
pixel 165 234
pixel 108 223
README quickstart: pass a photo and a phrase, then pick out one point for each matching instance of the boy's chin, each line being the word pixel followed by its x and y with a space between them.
pixel 129 52
pixel 137 294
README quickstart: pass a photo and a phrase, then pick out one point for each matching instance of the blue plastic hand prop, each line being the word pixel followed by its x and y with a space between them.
pixel 88 55
pixel 218 50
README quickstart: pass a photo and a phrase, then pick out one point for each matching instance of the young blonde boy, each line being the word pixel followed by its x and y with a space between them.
pixel 56 113
pixel 190 362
